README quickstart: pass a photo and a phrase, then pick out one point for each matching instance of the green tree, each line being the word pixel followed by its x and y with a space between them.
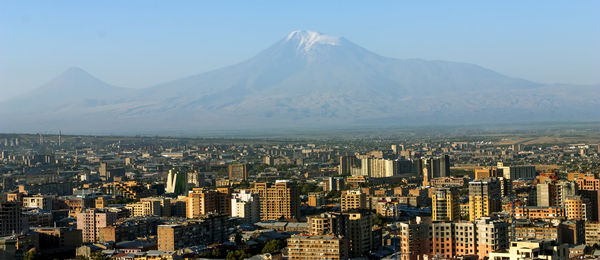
pixel 273 246
pixel 334 194
pixel 98 256
pixel 309 187
pixel 32 255
pixel 237 255
pixel 379 220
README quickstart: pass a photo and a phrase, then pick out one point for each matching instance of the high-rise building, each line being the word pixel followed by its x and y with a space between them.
pixel 238 172
pixel 546 194
pixel 516 172
pixel 438 167
pixel 445 204
pixel 334 183
pixel 586 181
pixel 376 168
pixel 346 164
pixel 576 208
pixel 195 179
pixel 563 190
pixel 451 239
pixel 484 198
pixel 353 199
pixel 176 182
pixel 317 247
pixel 278 201
pixel 107 174
pixel 201 202
pixel 245 205
pixel 356 226
pixel 11 221
pixel 592 233
pixel 91 221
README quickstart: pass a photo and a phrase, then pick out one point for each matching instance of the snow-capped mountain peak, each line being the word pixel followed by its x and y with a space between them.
pixel 307 39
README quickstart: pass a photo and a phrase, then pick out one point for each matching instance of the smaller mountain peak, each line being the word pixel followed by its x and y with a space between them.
pixel 306 39
pixel 75 71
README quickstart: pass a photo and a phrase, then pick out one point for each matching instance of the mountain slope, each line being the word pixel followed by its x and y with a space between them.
pixel 305 79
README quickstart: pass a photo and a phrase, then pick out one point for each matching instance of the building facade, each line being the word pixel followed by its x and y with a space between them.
pixel 278 201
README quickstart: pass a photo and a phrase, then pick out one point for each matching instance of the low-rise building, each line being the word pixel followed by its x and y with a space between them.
pixel 317 247
pixel 533 249
pixel 209 230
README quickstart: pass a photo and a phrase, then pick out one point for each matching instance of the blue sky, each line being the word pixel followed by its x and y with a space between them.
pixel 142 43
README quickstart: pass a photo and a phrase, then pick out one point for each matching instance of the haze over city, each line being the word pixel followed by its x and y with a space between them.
pixel 338 130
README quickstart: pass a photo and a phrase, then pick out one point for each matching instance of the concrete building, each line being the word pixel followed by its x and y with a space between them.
pixel 314 199
pixel 144 208
pixel 347 162
pixel 200 202
pixel 484 198
pixel 533 249
pixel 280 200
pixel 587 182
pixel 445 204
pixel 563 190
pixel 353 199
pixel 485 173
pixel 376 168
pixel 451 239
pixel 317 247
pixel 576 208
pixel 130 229
pixel 533 212
pixel 334 183
pixel 58 237
pixel 11 220
pixel 238 172
pixel 38 201
pixel 209 230
pixel 245 205
pixel 546 194
pixel 91 221
pixel 516 172
pixel 438 167
pixel 592 233
pixel 356 226
pixel 541 231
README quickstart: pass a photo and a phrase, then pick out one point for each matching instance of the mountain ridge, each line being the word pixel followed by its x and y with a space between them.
pixel 304 79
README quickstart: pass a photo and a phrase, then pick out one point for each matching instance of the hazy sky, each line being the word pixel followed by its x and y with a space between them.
pixel 142 43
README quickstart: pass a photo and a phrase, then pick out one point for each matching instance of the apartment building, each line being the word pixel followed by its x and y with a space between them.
pixel 484 198
pixel 302 247
pixel 279 200
pixel 205 231
pixel 353 199
pixel 445 204
pixel 91 221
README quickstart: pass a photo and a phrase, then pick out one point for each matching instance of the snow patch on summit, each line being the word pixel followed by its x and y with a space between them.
pixel 307 39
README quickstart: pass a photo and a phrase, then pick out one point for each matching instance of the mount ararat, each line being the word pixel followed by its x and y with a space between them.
pixel 306 80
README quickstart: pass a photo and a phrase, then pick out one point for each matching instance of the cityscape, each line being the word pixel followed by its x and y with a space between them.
pixel 477 197
pixel 266 130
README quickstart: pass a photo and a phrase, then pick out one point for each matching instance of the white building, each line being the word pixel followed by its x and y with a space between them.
pixel 38 201
pixel 533 249
pixel 176 182
pixel 245 205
